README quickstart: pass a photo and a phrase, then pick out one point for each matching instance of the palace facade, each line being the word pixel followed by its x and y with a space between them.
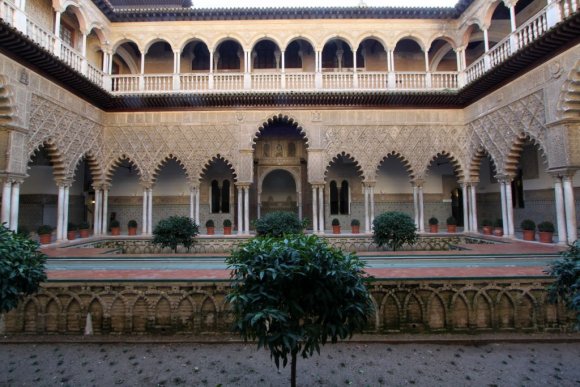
pixel 129 110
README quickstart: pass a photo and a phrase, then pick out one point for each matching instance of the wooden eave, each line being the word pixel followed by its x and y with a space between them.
pixel 19 47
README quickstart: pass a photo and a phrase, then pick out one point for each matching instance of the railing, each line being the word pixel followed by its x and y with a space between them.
pixel 410 80
pixel 224 81
pixel 531 30
pixel 300 81
pixel 266 81
pixel 339 81
pixel 124 83
pixel 71 57
pixel 444 80
pixel 228 81
pixel 373 80
pixel 41 36
pixel 194 82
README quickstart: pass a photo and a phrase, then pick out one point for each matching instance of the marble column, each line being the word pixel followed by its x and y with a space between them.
pixel 570 208
pixel 6 200
pixel 509 208
pixel 372 195
pixel 105 210
pixel 560 211
pixel 465 195
pixel 145 210
pixel 321 208
pixel 314 209
pixel 473 207
pixel 197 220
pixel 60 212
pixel 503 206
pixel 150 213
pixel 65 213
pixel 416 205
pixel 367 218
pixel 240 210
pixel 14 206
pixel 247 210
pixel 97 213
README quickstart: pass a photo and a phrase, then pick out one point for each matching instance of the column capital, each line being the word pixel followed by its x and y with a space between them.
pixel 318 184
pixel 563 172
pixel 417 182
pixel 504 178
pixel 64 183
pixel 146 184
pixel 243 184
pixel 369 183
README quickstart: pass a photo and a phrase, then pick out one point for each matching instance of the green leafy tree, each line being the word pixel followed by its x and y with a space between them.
pixel 174 231
pixel 295 294
pixel 279 223
pixel 394 229
pixel 567 284
pixel 21 268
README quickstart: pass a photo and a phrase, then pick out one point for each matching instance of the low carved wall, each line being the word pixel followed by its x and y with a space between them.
pixel 200 308
pixel 208 245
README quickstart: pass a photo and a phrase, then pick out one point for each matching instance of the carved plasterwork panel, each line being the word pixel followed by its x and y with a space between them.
pixel 499 130
pixel 417 144
pixel 69 133
pixel 192 145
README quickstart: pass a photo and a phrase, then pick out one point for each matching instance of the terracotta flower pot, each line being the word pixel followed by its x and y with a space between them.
pixel 210 230
pixel 487 230
pixel 71 235
pixel 227 230
pixel 546 237
pixel 45 238
pixel 434 228
pixel 529 235
pixel 355 229
pixel 132 230
pixel 451 228
pixel 115 230
pixel 336 229
pixel 84 233
pixel 498 231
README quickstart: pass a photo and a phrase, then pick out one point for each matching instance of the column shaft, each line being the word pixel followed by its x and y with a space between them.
pixel 314 210
pixel 367 218
pixel 150 213
pixel 65 214
pixel 247 210
pixel 465 195
pixel 473 207
pixel 509 208
pixel 145 204
pixel 503 207
pixel 570 207
pixel 14 204
pixel 105 211
pixel 60 211
pixel 560 212
pixel 6 200
pixel 416 205
pixel 421 210
pixel 240 211
pixel 321 208
pixel 197 206
pixel 97 213
pixel 372 195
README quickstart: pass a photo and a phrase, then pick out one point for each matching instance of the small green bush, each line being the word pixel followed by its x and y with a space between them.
pixel 84 225
pixel 498 223
pixel 394 229
pixel 115 223
pixel 44 229
pixel 546 226
pixel 355 222
pixel 335 222
pixel 528 224
pixel 433 221
pixel 209 223
pixel 279 223
pixel 72 227
pixel 174 231
pixel 132 224
pixel 451 221
pixel 21 268
pixel 486 223
pixel 227 223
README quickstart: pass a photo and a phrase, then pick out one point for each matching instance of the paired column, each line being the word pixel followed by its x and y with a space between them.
pixel 418 204
pixel 98 212
pixel 318 208
pixel 243 209
pixel 10 203
pixel 469 206
pixel 194 204
pixel 565 207
pixel 147 211
pixel 369 195
pixel 507 208
pixel 62 213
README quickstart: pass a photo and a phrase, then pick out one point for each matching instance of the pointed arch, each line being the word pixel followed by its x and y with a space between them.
pixel 93 166
pixel 55 156
pixel 475 164
pixel 513 157
pixel 403 160
pixel 159 166
pixel 217 159
pixel 116 163
pixel 342 156
pixel 458 169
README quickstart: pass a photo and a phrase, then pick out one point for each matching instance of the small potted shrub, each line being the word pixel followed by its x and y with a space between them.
pixel 72 231
pixel 355 226
pixel 498 227
pixel 546 231
pixel 335 226
pixel 227 227
pixel 132 227
pixel 44 233
pixel 84 229
pixel 451 224
pixel 115 227
pixel 210 225
pixel 433 224
pixel 486 227
pixel 529 229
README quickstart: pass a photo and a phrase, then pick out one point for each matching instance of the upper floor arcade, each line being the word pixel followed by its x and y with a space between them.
pixel 422 54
